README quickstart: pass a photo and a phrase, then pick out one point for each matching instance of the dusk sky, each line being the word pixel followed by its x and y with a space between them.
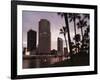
pixel 30 20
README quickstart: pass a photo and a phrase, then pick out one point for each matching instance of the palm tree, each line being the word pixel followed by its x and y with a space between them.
pixel 82 23
pixel 73 17
pixel 86 16
pixel 65 15
pixel 86 40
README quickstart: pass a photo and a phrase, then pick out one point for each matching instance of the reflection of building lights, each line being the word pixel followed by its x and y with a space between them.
pixel 68 57
pixel 27 53
pixel 45 60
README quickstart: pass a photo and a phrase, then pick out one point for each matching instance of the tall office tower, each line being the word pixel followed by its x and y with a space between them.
pixel 60 45
pixel 44 45
pixel 31 40
pixel 65 51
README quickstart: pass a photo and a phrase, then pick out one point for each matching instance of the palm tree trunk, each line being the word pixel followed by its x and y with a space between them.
pixel 67 26
pixel 65 40
pixel 82 33
pixel 75 31
pixel 75 26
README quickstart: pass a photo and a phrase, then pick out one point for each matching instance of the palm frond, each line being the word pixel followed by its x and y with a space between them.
pixel 61 14
pixel 82 23
pixel 73 16
pixel 61 32
pixel 71 20
pixel 86 16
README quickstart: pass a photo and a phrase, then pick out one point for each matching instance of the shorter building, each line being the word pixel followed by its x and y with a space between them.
pixel 60 46
pixel 53 52
pixel 31 40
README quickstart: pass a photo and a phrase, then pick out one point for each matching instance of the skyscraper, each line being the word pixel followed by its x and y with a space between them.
pixel 44 45
pixel 60 45
pixel 31 40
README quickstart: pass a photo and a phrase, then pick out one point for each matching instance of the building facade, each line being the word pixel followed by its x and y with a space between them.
pixel 31 40
pixel 44 44
pixel 60 45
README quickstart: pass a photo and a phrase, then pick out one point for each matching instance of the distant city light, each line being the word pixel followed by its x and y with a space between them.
pixel 27 53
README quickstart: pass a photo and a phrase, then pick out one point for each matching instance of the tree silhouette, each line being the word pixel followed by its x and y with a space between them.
pixel 86 39
pixel 82 23
pixel 86 33
pixel 86 16
pixel 73 17
pixel 73 47
pixel 77 39
pixel 65 15
pixel 64 31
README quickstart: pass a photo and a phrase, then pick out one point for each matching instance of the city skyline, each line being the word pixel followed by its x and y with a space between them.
pixel 51 45
pixel 30 20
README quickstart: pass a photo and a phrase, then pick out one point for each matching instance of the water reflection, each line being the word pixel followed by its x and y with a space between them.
pixel 37 61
